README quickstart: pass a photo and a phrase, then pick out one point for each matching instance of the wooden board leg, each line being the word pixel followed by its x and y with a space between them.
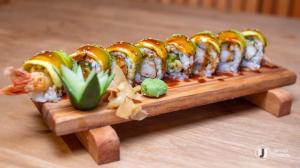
pixel 102 143
pixel 276 101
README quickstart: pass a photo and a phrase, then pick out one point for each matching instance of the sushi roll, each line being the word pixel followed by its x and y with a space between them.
pixel 181 52
pixel 232 45
pixel 153 63
pixel 39 77
pixel 127 57
pixel 255 48
pixel 207 54
pixel 92 58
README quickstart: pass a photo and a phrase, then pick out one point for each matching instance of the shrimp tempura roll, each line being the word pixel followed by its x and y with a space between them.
pixel 232 44
pixel 153 64
pixel 39 77
pixel 92 58
pixel 207 54
pixel 181 52
pixel 127 57
pixel 255 48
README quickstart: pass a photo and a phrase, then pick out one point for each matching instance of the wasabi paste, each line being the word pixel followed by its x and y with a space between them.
pixel 153 87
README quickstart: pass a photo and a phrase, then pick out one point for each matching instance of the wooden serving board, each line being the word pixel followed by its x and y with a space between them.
pixel 63 119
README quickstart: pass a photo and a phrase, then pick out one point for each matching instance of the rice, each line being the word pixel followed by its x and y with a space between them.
pixel 230 58
pixel 212 63
pixel 206 60
pixel 181 68
pixel 51 95
pixel 150 67
pixel 254 54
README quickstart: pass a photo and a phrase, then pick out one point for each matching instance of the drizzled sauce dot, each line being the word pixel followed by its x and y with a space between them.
pixel 187 80
pixel 225 74
pixel 200 80
pixel 257 71
pixel 270 66
pixel 171 82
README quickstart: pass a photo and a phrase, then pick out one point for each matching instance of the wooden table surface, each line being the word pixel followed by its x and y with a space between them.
pixel 225 134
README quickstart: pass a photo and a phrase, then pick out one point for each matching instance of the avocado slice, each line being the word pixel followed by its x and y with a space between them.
pixel 182 43
pixel 207 37
pixel 51 69
pixel 63 57
pixel 232 36
pixel 255 33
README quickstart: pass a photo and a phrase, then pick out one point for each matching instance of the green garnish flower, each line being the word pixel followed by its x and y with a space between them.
pixel 84 94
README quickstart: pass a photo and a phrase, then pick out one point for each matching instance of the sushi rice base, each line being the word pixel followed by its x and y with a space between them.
pixel 206 60
pixel 254 53
pixel 182 65
pixel 51 95
pixel 150 66
pixel 230 58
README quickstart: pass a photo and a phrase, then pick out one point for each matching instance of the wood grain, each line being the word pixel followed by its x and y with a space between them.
pixel 236 5
pixel 251 6
pixel 166 1
pixel 179 2
pixel 276 101
pixel 222 4
pixel 62 118
pixel 207 3
pixel 224 134
pixel 194 3
pixel 2 2
pixel 282 7
pixel 295 8
pixel 274 7
pixel 102 143
pixel 267 6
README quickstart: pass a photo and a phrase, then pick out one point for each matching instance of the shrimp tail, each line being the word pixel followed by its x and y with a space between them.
pixel 21 82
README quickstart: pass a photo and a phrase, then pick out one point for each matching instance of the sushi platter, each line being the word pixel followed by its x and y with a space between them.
pixel 86 92
pixel 63 119
pixel 90 127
